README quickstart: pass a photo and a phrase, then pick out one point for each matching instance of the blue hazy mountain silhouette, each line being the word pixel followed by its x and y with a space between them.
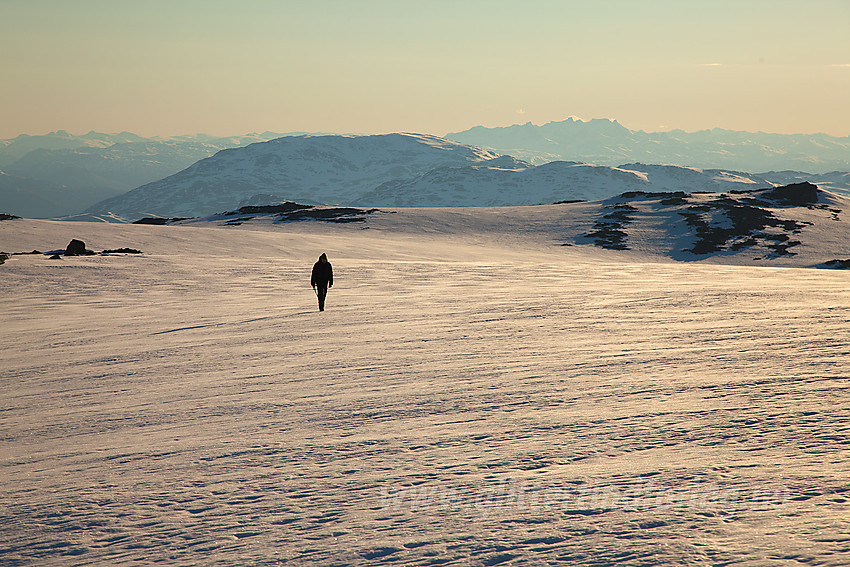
pixel 61 174
pixel 607 142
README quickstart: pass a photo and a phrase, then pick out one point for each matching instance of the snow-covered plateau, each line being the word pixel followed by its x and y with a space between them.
pixel 488 386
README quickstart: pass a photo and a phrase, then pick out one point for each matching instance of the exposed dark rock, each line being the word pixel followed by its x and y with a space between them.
pixel 290 211
pixel 55 257
pixel 674 201
pixel 728 222
pixel 794 195
pixel 837 264
pixel 653 195
pixel 159 220
pixel 238 221
pixel 336 214
pixel 608 233
pixel 77 248
pixel 747 223
pixel 3 257
pixel 286 212
pixel 608 236
pixel 7 216
pixel 329 214
pixel 286 207
pixel 122 251
pixel 25 253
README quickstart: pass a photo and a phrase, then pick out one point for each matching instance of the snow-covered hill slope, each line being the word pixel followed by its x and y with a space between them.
pixel 312 169
pixel 474 394
pixel 549 183
pixel 395 170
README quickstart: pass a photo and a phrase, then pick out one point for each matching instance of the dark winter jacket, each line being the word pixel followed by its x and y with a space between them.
pixel 323 273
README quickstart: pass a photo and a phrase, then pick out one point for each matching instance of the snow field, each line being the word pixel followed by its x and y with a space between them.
pixel 468 398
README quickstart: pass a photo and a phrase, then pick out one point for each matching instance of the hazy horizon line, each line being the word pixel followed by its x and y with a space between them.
pixel 659 129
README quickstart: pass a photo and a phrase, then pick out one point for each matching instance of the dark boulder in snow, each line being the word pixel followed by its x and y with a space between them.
pixel 77 248
pixel 837 264
pixel 794 195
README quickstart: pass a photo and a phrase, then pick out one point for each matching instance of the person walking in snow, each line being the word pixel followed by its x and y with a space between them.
pixel 322 279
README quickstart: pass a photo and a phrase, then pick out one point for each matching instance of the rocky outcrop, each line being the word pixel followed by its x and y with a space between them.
pixel 704 224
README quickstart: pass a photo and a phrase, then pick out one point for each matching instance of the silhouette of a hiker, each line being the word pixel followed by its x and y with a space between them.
pixel 322 279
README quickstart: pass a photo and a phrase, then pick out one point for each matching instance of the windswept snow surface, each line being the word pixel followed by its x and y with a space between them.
pixel 475 394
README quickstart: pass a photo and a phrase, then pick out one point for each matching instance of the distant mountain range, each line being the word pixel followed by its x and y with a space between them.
pixel 607 142
pixel 60 174
pixel 113 176
pixel 398 170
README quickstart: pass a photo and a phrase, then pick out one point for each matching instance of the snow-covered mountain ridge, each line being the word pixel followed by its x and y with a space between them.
pixel 311 169
pixel 405 170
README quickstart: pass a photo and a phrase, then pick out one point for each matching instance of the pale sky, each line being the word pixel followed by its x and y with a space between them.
pixel 169 67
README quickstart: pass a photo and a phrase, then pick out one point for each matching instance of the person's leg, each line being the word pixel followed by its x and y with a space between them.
pixel 322 292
